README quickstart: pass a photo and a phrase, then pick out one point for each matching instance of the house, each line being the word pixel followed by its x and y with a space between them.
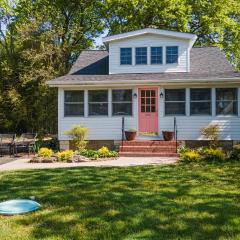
pixel 149 76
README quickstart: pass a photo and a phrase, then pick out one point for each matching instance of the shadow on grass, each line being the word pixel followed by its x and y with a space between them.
pixel 164 202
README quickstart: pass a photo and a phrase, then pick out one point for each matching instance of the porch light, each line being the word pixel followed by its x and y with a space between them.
pixel 161 95
pixel 135 95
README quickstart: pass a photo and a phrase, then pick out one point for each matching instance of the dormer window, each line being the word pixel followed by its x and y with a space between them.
pixel 126 56
pixel 171 55
pixel 156 55
pixel 141 55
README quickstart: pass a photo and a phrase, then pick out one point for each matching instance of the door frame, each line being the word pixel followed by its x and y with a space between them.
pixel 156 88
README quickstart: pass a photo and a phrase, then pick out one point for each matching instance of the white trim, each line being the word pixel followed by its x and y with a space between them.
pixel 213 101
pixel 85 103
pixel 109 102
pixel 191 37
pixel 187 103
pixel 148 82
pixel 238 102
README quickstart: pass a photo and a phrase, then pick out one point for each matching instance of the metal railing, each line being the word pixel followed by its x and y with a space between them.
pixel 175 132
pixel 123 126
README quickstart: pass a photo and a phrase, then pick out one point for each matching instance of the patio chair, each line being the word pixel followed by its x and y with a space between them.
pixel 7 143
pixel 25 142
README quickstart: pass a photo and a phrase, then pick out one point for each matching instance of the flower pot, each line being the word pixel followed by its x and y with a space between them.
pixel 130 136
pixel 168 135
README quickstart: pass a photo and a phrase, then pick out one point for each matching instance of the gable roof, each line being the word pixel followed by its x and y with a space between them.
pixel 188 36
pixel 91 67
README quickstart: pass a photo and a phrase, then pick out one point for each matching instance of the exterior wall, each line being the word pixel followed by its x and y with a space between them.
pixel 109 128
pixel 149 41
pixel 100 127
pixel 189 126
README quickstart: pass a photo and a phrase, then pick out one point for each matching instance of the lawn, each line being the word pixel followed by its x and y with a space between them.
pixel 156 202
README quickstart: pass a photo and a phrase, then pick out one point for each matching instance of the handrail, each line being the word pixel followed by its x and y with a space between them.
pixel 123 125
pixel 175 132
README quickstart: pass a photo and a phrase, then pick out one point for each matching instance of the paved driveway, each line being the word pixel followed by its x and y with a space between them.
pixel 23 163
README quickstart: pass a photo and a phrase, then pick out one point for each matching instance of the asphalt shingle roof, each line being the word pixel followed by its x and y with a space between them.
pixel 92 65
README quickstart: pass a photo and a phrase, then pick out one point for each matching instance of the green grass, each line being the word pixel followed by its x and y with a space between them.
pixel 157 202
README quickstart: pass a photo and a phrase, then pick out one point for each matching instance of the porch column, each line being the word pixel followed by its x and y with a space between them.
pixel 85 103
pixel 109 102
pixel 213 102
pixel 187 101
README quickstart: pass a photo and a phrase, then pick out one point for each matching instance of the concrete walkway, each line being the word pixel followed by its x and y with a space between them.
pixel 23 163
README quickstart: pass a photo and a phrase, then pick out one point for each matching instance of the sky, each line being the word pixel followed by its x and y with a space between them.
pixel 98 40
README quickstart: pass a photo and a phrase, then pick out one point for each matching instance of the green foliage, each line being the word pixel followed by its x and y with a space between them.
pixel 211 154
pixel 103 152
pixel 78 134
pixel 45 152
pixel 235 153
pixel 211 133
pixel 190 155
pixel 183 149
pixel 65 155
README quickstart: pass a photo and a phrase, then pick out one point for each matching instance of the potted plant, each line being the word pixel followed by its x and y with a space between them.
pixel 168 135
pixel 130 134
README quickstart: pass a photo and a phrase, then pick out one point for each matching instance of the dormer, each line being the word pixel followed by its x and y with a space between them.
pixel 149 51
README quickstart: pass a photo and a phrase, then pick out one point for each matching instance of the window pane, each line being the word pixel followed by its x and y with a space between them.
pixel 98 96
pixel 96 109
pixel 172 54
pixel 200 94
pixel 141 55
pixel 74 96
pixel 226 103
pixel 200 108
pixel 226 94
pixel 126 56
pixel 177 108
pixel 73 109
pixel 226 107
pixel 174 94
pixel 156 55
pixel 122 109
pixel 122 95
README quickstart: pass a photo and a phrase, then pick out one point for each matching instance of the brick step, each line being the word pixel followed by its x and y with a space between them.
pixel 144 154
pixel 149 143
pixel 151 149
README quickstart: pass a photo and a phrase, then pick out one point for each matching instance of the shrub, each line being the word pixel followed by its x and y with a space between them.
pixel 103 152
pixel 211 154
pixel 183 149
pixel 211 133
pixel 65 155
pixel 78 134
pixel 235 153
pixel 190 155
pixel 45 152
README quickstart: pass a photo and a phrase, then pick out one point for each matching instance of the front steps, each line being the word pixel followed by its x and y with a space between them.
pixel 149 148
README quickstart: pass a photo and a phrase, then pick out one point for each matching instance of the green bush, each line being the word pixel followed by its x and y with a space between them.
pixel 65 155
pixel 183 149
pixel 45 152
pixel 211 133
pixel 211 154
pixel 101 153
pixel 78 134
pixel 235 153
pixel 190 155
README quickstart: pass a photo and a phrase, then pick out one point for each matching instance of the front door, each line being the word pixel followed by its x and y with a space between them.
pixel 148 110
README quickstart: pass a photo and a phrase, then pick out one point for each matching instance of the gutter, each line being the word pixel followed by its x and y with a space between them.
pixel 148 82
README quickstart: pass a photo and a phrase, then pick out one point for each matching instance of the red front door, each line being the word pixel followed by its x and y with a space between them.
pixel 148 110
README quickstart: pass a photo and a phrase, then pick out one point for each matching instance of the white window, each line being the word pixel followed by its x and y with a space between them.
pixel 226 101
pixel 122 102
pixel 73 103
pixel 126 56
pixel 98 102
pixel 172 55
pixel 200 101
pixel 141 55
pixel 175 101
